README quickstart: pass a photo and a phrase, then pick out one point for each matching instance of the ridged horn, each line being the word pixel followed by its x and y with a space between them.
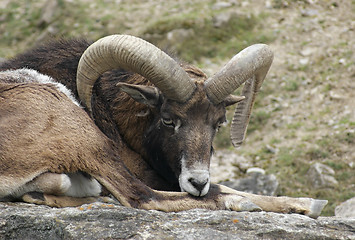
pixel 132 54
pixel 249 66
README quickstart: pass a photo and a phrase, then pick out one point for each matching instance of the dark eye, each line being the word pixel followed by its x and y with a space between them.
pixel 221 123
pixel 168 122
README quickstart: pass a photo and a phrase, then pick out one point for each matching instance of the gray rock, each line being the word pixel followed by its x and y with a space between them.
pixel 49 11
pixel 103 221
pixel 256 182
pixel 177 36
pixel 308 51
pixel 223 19
pixel 309 12
pixel 304 61
pixel 227 165
pixel 321 176
pixel 220 5
pixel 346 209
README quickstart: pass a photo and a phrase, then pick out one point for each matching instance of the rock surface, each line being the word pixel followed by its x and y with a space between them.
pixel 346 209
pixel 321 175
pixel 228 165
pixel 256 182
pixel 107 221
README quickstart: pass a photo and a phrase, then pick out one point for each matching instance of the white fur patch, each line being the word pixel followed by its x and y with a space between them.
pixel 199 173
pixel 177 126
pixel 65 182
pixel 82 186
pixel 25 75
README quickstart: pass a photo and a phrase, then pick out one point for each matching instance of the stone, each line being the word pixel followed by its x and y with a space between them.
pixel 307 51
pixel 336 96
pixel 321 176
pixel 221 5
pixel 223 19
pixel 256 182
pixel 342 61
pixel 304 61
pixel 309 12
pixel 109 221
pixel 177 36
pixel 49 11
pixel 227 165
pixel 346 209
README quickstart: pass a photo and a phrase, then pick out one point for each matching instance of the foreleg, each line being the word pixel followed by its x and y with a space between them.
pixel 307 206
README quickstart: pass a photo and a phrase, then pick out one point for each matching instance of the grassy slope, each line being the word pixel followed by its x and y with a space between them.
pixel 304 113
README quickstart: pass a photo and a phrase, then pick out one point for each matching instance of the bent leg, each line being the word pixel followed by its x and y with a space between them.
pixel 60 190
pixel 49 183
pixel 56 201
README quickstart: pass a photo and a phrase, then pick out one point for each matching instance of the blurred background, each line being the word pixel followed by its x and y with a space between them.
pixel 302 130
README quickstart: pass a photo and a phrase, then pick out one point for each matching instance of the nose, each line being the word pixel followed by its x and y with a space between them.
pixel 195 182
pixel 199 184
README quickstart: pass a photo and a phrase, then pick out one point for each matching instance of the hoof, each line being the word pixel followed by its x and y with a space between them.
pixel 249 206
pixel 316 207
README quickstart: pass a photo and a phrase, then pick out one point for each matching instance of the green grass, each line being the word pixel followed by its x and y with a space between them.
pixel 20 22
pixel 257 120
pixel 21 26
pixel 292 85
pixel 207 41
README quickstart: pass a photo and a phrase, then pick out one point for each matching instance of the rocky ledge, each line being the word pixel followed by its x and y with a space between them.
pixel 109 221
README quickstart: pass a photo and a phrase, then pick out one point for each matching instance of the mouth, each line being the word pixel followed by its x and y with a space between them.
pixel 194 179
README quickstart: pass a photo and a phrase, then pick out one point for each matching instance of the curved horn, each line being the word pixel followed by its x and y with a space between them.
pixel 250 66
pixel 136 55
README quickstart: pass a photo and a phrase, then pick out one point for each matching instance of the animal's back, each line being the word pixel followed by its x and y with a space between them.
pixel 56 130
pixel 57 58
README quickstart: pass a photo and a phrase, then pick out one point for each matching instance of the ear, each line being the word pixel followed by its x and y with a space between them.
pixel 142 94
pixel 231 99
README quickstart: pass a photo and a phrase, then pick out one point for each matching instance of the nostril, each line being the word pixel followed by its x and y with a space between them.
pixel 199 185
